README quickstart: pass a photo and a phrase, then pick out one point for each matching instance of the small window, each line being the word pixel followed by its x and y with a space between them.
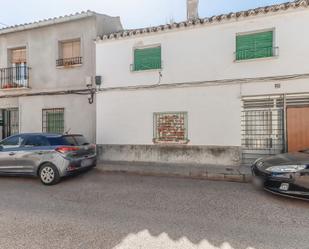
pixel 257 45
pixel 69 53
pixel 171 128
pixel 18 56
pixel 36 141
pixel 147 59
pixel 53 120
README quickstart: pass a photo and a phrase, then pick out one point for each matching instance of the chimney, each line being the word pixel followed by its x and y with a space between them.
pixel 192 9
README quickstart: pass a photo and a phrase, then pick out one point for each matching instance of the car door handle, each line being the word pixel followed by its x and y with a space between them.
pixel 12 154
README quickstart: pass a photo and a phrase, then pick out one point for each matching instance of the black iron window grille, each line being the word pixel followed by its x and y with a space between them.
pixel 53 120
pixel 10 122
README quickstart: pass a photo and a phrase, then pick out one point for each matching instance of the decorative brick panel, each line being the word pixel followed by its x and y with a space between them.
pixel 171 128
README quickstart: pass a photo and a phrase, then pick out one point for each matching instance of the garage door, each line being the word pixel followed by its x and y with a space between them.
pixel 298 128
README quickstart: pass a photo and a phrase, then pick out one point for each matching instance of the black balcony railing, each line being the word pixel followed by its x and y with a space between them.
pixel 14 77
pixel 69 61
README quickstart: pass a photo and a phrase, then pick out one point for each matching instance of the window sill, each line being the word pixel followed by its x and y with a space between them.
pixel 181 142
pixel 69 66
pixel 147 71
pixel 257 59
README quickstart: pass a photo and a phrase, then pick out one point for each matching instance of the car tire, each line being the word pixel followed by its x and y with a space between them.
pixel 49 174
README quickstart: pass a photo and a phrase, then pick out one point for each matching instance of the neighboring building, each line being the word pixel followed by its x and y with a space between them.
pixel 44 69
pixel 222 90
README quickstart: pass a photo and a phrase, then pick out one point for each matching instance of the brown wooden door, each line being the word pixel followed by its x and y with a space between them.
pixel 298 128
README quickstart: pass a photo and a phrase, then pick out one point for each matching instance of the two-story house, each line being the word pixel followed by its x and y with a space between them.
pixel 44 69
pixel 223 90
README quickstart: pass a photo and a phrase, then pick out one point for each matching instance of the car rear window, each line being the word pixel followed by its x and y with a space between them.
pixel 57 141
pixel 81 140
pixel 68 140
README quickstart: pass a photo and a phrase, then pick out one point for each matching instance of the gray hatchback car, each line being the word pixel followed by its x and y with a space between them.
pixel 48 156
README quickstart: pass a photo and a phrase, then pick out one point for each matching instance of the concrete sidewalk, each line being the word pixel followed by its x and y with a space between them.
pixel 209 172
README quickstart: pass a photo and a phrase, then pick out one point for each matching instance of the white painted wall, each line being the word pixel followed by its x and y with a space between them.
pixel 206 53
pixel 266 88
pixel 126 117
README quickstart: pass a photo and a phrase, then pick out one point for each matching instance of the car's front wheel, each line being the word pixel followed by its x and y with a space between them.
pixel 49 174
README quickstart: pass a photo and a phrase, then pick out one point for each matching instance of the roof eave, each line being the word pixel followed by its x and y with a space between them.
pixel 235 16
pixel 47 22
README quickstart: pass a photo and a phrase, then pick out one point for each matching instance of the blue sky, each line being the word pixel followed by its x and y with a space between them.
pixel 133 13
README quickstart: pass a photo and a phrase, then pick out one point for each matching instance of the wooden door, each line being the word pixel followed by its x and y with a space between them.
pixel 298 128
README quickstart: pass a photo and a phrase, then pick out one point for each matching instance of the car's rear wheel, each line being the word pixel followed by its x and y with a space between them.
pixel 49 174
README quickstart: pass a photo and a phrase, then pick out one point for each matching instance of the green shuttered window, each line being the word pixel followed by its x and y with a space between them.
pixel 147 59
pixel 252 46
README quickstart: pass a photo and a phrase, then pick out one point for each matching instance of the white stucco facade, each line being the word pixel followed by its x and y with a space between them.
pixel 135 124
pixel 199 76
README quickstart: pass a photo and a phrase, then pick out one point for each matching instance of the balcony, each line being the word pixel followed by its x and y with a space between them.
pixel 68 62
pixel 14 77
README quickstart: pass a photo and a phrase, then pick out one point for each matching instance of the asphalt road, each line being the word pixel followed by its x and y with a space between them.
pixel 133 212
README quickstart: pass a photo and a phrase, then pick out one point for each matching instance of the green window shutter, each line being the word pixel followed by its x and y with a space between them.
pixel 258 45
pixel 147 58
pixel 55 122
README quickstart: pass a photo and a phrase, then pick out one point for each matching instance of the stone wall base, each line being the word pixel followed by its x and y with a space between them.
pixel 175 154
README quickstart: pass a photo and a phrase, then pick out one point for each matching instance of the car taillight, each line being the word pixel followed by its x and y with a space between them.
pixel 65 149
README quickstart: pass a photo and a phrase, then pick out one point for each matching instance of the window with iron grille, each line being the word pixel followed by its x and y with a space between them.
pixel 10 122
pixel 257 45
pixel 147 59
pixel 171 128
pixel 53 120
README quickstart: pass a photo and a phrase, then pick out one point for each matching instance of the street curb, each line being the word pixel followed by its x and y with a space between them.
pixel 187 173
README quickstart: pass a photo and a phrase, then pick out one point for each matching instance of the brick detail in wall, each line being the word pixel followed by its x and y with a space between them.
pixel 170 128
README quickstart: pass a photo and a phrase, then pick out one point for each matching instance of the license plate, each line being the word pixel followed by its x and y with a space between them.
pixel 285 186
pixel 87 163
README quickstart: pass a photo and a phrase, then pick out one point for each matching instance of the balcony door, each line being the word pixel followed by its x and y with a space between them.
pixel 19 72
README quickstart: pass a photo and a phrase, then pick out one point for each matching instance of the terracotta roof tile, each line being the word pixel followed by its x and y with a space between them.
pixel 214 19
